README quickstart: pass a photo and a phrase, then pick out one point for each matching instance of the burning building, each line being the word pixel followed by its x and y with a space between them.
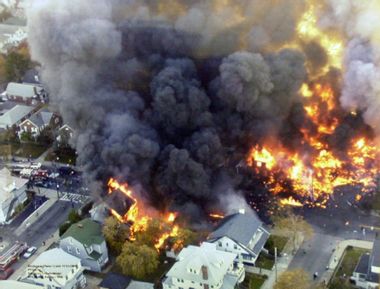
pixel 171 95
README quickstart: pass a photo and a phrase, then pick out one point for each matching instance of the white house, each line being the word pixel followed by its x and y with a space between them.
pixel 366 274
pixel 11 284
pixel 12 193
pixel 204 267
pixel 85 241
pixel 15 116
pixel 25 92
pixel 55 269
pixel 36 123
pixel 242 234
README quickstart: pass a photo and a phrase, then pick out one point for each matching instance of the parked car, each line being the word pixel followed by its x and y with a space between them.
pixel 4 275
pixel 29 252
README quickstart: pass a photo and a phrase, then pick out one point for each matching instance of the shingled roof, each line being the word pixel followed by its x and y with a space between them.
pixel 115 281
pixel 86 232
pixel 239 227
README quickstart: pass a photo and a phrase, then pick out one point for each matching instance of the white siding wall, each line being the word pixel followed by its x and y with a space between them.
pixel 228 245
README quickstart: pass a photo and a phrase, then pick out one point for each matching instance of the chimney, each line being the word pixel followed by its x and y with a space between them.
pixel 204 273
pixel 242 211
pixel 80 226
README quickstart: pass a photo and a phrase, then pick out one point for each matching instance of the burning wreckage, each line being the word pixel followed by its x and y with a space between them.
pixel 173 96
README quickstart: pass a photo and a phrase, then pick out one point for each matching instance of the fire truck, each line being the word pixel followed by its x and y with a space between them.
pixel 11 255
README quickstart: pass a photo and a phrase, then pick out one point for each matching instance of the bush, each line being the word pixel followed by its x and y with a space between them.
pixel 64 227
pixel 74 217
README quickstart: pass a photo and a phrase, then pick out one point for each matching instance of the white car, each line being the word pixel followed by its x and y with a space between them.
pixel 29 252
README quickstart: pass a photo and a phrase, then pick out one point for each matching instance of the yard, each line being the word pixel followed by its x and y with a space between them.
pixel 267 262
pixel 24 150
pixel 345 269
pixel 253 281
pixel 66 156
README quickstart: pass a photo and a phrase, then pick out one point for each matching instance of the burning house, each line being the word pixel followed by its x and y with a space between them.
pixel 171 95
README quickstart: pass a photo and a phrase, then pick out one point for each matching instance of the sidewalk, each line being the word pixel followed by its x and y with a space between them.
pixel 282 264
pixel 34 217
pixel 337 255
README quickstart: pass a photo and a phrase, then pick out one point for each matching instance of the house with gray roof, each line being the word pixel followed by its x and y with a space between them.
pixel 85 241
pixel 242 233
pixel 367 272
pixel 36 123
pixel 204 267
pixel 26 92
pixel 15 116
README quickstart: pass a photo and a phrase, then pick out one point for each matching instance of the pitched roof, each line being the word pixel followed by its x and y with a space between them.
pixel 8 184
pixel 11 284
pixel 53 261
pixel 194 257
pixel 375 256
pixel 41 118
pixel 25 90
pixel 363 264
pixel 115 281
pixel 239 227
pixel 140 285
pixel 14 115
pixel 86 232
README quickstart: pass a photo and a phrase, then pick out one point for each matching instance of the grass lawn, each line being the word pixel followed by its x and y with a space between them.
pixel 27 150
pixel 277 241
pixel 347 266
pixel 265 262
pixel 253 281
pixel 65 156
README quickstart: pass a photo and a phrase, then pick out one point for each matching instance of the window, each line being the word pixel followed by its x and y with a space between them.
pixel 235 247
pixel 77 251
pixel 69 249
pixel 220 244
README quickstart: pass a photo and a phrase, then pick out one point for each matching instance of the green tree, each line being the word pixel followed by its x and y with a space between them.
pixel 137 261
pixel 64 227
pixel 46 136
pixel 155 228
pixel 296 278
pixel 26 136
pixel 293 226
pixel 74 217
pixel 16 64
pixel 115 234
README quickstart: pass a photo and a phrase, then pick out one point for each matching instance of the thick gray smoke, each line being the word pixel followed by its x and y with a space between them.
pixel 164 103
pixel 359 20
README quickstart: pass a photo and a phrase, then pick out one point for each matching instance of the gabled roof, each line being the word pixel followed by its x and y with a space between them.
pixel 8 183
pixel 54 261
pixel 25 90
pixel 115 281
pixel 194 258
pixel 41 118
pixel 14 115
pixel 86 232
pixel 239 227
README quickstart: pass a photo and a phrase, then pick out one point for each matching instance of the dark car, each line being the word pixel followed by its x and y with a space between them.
pixel 67 171
pixel 6 273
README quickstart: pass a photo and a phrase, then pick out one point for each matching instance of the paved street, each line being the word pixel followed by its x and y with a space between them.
pixel 340 221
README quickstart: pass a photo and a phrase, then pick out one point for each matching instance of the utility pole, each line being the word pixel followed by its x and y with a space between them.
pixel 275 262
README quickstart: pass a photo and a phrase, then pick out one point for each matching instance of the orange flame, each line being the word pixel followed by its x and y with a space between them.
pixel 316 174
pixel 216 216
pixel 136 216
pixel 291 202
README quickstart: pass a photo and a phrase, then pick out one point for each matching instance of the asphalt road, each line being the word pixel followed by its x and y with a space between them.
pixel 342 220
pixel 41 230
